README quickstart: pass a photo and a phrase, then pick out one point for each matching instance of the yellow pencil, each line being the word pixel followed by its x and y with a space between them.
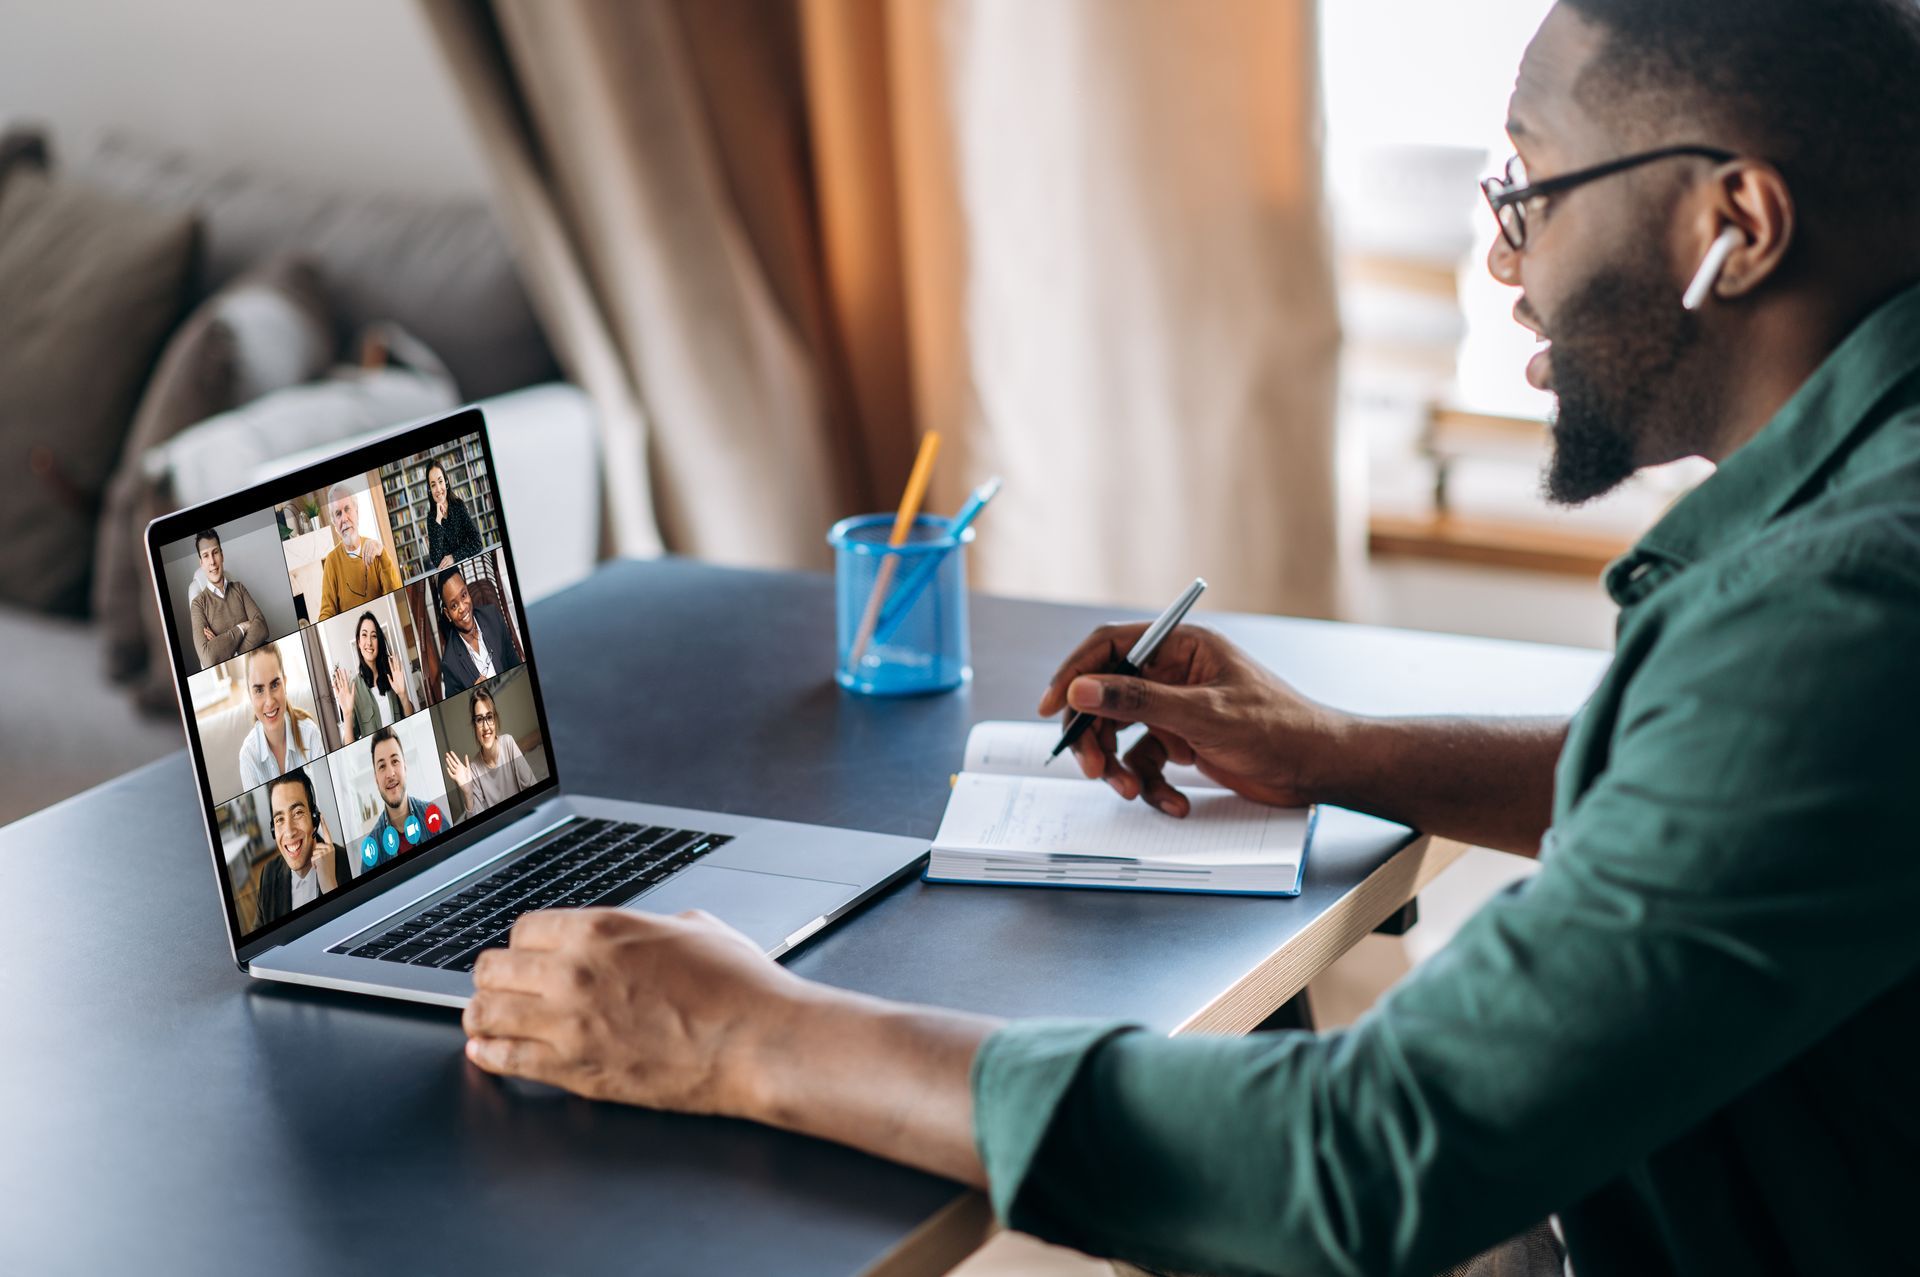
pixel 902 524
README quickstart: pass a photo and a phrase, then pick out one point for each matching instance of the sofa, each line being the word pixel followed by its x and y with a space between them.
pixel 438 272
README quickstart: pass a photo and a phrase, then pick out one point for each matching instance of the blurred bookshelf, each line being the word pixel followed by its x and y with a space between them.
pixel 409 505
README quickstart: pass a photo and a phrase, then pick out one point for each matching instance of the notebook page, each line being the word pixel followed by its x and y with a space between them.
pixel 1020 749
pixel 1072 818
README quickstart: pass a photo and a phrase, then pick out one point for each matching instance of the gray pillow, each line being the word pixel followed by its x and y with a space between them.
pixel 440 267
pixel 92 284
pixel 267 330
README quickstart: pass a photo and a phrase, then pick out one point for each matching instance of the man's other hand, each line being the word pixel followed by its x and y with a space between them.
pixel 1204 702
pixel 633 1007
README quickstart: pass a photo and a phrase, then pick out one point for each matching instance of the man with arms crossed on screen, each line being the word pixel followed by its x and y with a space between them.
pixel 226 621
pixel 358 570
pixel 310 863
pixel 1687 1036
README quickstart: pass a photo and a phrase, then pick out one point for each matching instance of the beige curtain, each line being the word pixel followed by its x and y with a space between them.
pixel 1081 238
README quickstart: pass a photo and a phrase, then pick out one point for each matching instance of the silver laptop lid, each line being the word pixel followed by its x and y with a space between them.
pixel 355 678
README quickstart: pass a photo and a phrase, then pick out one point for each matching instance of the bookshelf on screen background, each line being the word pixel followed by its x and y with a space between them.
pixel 409 508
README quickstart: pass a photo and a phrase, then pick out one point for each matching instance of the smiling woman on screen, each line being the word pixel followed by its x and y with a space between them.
pixel 283 735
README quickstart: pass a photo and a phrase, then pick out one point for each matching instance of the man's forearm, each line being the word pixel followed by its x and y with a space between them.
pixel 892 1080
pixel 1485 781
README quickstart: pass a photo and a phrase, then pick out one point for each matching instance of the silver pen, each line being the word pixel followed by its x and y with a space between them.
pixel 1142 653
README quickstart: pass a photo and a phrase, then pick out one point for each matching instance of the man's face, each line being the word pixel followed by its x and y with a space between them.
pixel 292 825
pixel 344 516
pixel 458 602
pixel 390 773
pixel 213 562
pixel 1598 283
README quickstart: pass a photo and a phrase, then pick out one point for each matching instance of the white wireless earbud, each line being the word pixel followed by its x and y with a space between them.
pixel 1709 272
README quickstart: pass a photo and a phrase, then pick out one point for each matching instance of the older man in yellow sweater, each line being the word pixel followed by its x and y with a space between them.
pixel 359 569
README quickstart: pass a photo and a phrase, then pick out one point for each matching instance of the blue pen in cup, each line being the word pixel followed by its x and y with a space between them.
pixel 897 607
pixel 927 647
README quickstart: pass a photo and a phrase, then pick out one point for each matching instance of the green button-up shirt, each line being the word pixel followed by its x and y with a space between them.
pixel 1693 1034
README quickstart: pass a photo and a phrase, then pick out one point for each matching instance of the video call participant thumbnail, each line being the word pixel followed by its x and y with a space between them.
pixel 310 863
pixel 404 821
pixel 225 619
pixel 478 643
pixel 452 535
pixel 359 569
pixel 499 770
pixel 283 735
pixel 376 695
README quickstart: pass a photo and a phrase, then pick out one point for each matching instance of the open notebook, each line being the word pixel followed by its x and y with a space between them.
pixel 1012 819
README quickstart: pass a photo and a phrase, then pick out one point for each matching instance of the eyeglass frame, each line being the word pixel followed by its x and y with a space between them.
pixel 1501 195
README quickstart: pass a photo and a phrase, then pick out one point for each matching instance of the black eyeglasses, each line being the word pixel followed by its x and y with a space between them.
pixel 1510 194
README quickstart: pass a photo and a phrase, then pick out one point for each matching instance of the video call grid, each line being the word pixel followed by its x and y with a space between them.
pixel 502 634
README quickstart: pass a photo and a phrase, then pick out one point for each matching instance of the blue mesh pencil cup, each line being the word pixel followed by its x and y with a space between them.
pixel 910 638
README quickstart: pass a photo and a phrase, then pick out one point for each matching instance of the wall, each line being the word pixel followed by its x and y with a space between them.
pixel 352 89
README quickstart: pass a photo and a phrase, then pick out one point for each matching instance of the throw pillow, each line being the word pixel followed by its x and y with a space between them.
pixel 440 266
pixel 22 149
pixel 267 330
pixel 92 285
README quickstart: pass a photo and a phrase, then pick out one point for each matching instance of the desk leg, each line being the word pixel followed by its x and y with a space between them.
pixel 1295 1013
pixel 1402 921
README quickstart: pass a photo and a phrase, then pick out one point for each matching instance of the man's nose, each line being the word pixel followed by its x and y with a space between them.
pixel 1503 261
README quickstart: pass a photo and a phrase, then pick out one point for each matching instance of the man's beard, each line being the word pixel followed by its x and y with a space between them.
pixel 1620 350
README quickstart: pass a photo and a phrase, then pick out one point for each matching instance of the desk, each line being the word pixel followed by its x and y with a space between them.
pixel 160 1112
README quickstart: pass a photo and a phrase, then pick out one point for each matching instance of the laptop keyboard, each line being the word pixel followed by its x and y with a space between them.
pixel 595 862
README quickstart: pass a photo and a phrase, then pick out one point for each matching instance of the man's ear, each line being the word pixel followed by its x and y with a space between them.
pixel 1752 197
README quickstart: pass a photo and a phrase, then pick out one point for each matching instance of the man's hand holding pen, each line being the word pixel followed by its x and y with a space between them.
pixel 1205 703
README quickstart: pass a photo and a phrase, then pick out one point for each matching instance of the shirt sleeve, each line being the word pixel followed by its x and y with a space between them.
pixel 256 619
pixel 207 649
pixel 522 769
pixel 1734 885
pixel 329 585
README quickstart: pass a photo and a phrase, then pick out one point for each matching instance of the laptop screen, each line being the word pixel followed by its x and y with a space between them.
pixel 353 657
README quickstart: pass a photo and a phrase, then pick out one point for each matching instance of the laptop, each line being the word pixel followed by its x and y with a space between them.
pixel 381 788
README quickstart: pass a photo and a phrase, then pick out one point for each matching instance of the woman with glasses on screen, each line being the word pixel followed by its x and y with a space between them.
pixel 375 697
pixel 452 535
pixel 501 770
pixel 283 735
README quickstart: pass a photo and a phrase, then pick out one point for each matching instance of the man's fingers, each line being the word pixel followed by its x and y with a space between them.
pixel 517 1057
pixel 1136 700
pixel 521 970
pixel 1148 758
pixel 1097 751
pixel 506 1013
pixel 1097 651
pixel 1178 750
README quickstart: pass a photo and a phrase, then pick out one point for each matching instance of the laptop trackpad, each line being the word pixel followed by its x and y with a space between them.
pixel 768 907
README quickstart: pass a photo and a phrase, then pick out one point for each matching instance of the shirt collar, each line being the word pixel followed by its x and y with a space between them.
pixel 1829 414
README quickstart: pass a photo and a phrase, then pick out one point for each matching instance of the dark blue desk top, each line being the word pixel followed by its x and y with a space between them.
pixel 159 1110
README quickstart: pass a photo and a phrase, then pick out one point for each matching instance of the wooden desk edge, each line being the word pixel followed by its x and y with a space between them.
pixel 966 1223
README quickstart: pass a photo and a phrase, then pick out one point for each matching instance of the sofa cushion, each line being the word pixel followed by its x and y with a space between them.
pixel 267 330
pixel 442 268
pixel 23 149
pixel 92 284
